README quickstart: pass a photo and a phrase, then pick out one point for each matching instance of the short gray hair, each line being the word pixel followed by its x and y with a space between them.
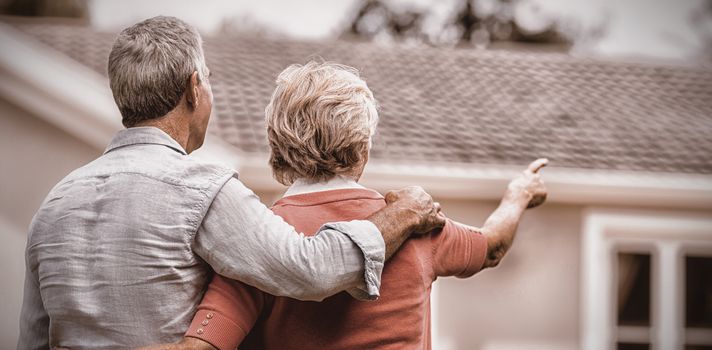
pixel 319 122
pixel 150 65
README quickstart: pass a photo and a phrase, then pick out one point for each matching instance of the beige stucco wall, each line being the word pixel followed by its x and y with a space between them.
pixel 34 155
pixel 531 297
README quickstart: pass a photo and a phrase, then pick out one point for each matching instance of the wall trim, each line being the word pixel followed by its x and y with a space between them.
pixel 488 182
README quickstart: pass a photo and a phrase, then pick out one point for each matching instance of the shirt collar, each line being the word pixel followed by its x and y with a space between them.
pixel 143 135
pixel 301 186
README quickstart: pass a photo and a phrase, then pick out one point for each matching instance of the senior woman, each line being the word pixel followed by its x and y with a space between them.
pixel 320 123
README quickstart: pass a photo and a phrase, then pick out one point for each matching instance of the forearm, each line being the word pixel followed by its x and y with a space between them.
pixel 396 224
pixel 243 240
pixel 525 191
pixel 276 259
pixel 501 226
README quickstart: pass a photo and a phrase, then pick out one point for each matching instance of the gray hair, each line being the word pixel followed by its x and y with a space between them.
pixel 319 122
pixel 150 65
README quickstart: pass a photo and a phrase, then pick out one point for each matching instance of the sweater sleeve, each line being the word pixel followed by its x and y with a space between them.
pixel 458 250
pixel 227 313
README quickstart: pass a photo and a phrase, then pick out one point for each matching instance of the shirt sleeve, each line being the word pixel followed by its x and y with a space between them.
pixel 34 321
pixel 458 250
pixel 243 240
pixel 227 313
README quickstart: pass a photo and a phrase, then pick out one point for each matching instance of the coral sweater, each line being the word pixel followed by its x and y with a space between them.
pixel 234 314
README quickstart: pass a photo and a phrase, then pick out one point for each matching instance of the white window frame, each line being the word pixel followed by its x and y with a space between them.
pixel 668 237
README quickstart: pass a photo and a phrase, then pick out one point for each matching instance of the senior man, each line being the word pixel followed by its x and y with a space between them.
pixel 120 252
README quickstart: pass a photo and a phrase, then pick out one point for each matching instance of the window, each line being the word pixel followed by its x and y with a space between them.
pixel 647 281
pixel 698 292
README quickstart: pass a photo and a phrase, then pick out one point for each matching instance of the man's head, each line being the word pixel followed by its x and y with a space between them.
pixel 320 122
pixel 155 67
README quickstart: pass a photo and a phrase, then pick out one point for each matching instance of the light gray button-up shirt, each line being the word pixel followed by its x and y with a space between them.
pixel 120 251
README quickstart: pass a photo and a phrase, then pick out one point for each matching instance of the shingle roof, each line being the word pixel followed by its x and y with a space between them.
pixel 466 106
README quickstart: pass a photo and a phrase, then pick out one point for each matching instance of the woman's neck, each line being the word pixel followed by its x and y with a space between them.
pixel 303 185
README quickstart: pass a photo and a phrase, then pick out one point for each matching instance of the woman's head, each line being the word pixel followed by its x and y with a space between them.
pixel 320 122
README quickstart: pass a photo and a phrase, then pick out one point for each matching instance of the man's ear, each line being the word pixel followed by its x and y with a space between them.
pixel 192 93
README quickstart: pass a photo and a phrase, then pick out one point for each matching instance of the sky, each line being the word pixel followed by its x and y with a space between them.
pixel 306 19
pixel 649 28
pixel 632 29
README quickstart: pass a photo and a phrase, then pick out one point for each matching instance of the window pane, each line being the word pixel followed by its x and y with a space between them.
pixel 633 346
pixel 634 289
pixel 698 292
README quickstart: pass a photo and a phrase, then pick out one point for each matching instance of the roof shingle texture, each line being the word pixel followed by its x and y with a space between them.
pixel 466 106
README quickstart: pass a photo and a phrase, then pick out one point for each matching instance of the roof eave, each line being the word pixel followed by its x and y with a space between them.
pixel 488 182
pixel 56 88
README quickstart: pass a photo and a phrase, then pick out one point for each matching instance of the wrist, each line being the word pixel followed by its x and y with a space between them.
pixel 518 197
pixel 406 216
pixel 396 217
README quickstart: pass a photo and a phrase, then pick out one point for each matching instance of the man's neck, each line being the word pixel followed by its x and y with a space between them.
pixel 171 124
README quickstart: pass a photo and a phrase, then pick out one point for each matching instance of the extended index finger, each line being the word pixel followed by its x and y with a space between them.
pixel 536 165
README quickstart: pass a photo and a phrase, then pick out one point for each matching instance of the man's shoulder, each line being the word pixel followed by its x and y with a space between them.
pixel 202 169
pixel 160 177
pixel 135 182
pixel 169 168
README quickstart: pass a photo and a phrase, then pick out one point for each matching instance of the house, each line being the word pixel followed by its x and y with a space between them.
pixel 619 257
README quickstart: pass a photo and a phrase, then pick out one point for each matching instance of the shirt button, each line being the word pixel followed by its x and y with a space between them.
pixel 209 315
pixel 200 331
pixel 204 323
